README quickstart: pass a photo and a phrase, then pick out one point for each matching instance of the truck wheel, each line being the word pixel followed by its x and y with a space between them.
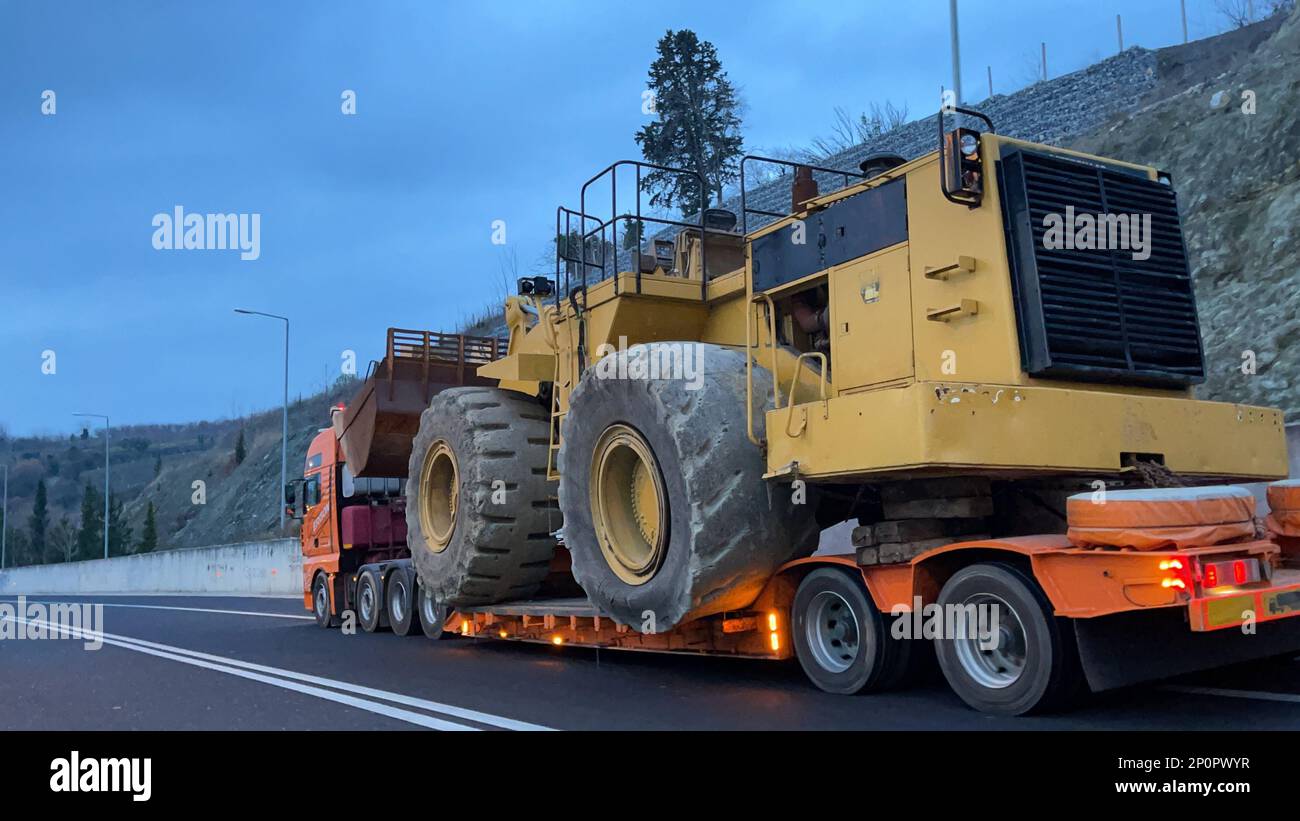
pixel 666 512
pixel 479 510
pixel 400 603
pixel 320 601
pixel 432 615
pixel 841 640
pixel 369 607
pixel 1033 666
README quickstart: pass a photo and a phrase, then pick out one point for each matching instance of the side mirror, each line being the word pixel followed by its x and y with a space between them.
pixel 292 500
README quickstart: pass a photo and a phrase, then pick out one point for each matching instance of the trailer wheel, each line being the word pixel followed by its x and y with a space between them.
pixel 1033 666
pixel 432 615
pixel 842 641
pixel 666 512
pixel 479 509
pixel 400 603
pixel 320 601
pixel 369 605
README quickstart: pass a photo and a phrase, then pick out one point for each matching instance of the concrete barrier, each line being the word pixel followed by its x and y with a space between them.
pixel 268 568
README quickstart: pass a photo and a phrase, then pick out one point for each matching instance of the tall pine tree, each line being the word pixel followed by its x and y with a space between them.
pixel 39 523
pixel 698 125
pixel 149 535
pixel 90 537
pixel 119 532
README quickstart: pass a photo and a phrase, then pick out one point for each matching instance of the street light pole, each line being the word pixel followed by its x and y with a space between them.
pixel 4 526
pixel 956 50
pixel 107 428
pixel 284 415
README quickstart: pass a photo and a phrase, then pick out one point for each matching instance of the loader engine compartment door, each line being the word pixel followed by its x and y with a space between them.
pixel 871 320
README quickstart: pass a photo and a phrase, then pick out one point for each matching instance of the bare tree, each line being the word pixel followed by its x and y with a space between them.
pixel 507 275
pixel 849 131
pixel 1241 13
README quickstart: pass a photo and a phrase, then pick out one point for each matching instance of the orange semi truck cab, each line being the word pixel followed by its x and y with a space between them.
pixel 351 526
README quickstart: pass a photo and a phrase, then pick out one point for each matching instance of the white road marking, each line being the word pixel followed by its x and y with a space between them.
pixel 340 698
pixel 1257 695
pixel 186 609
pixel 238 667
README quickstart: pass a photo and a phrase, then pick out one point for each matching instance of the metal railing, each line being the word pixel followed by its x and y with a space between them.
pixel 433 348
pixel 745 210
pixel 638 219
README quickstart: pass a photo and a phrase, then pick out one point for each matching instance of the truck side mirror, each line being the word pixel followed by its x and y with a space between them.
pixel 292 500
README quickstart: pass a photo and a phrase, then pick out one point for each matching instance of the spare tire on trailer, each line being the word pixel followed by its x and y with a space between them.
pixel 666 512
pixel 479 509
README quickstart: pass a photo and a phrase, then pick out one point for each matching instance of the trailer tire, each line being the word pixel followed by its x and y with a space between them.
pixel 432 615
pixel 1034 668
pixel 666 512
pixel 370 607
pixel 479 509
pixel 400 602
pixel 843 642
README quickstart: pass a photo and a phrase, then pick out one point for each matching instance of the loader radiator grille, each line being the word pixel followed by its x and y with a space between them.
pixel 1098 313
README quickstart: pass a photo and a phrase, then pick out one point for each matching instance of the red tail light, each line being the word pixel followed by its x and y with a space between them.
pixel 1229 572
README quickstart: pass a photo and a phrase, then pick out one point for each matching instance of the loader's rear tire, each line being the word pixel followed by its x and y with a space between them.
pixel 666 512
pixel 843 643
pixel 400 601
pixel 479 512
pixel 1034 667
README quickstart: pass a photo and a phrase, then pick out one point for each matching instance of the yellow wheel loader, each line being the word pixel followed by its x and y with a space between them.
pixel 982 360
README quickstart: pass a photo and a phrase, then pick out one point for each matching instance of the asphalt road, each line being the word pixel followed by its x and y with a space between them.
pixel 222 663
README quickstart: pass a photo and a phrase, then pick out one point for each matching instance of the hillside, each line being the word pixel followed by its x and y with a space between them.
pixel 160 464
pixel 1238 178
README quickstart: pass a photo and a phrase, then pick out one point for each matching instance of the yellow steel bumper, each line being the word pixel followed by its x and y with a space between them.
pixel 994 429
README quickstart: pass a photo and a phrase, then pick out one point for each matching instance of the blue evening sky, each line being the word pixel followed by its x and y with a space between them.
pixel 467 112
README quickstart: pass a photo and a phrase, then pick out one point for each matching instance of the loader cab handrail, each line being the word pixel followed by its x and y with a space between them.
pixel 745 210
pixel 640 219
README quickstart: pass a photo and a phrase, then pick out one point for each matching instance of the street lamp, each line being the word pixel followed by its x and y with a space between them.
pixel 956 51
pixel 4 524
pixel 284 420
pixel 106 430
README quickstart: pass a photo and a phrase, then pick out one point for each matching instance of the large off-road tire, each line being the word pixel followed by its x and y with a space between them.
pixel 666 512
pixel 479 512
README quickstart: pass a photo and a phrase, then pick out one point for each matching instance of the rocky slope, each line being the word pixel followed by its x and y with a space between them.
pixel 1238 178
